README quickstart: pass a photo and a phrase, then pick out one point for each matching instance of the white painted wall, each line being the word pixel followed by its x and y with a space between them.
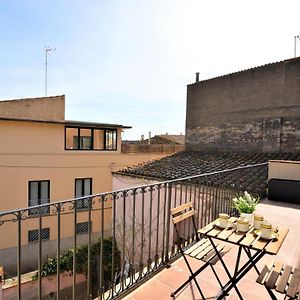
pixel 284 169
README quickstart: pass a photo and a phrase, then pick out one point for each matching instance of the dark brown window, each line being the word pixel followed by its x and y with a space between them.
pixel 83 187
pixel 38 193
pixel 110 140
pixel 77 138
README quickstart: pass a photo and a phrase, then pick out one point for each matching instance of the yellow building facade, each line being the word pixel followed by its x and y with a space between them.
pixel 44 159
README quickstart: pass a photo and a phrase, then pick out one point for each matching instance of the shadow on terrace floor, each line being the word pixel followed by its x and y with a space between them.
pixel 161 285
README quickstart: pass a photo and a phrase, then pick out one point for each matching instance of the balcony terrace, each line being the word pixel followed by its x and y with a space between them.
pixel 165 282
pixel 125 237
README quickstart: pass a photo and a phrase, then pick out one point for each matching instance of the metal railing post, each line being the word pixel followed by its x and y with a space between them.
pixel 58 253
pixel 19 217
pixel 168 221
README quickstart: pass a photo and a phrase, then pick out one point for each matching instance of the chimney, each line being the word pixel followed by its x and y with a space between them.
pixel 197 76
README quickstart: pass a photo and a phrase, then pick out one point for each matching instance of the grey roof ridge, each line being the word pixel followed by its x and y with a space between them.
pixel 245 70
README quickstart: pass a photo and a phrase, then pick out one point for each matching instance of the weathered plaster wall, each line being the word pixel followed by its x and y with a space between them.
pixel 43 108
pixel 252 110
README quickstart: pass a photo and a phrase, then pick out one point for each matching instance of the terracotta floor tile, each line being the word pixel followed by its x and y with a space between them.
pixel 152 289
pixel 129 297
pixel 173 277
pixel 209 290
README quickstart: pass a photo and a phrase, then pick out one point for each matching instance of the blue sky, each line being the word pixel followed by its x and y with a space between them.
pixel 129 61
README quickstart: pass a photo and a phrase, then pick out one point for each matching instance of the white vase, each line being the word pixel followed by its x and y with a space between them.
pixel 249 217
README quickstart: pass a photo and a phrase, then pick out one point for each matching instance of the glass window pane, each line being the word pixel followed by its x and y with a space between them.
pixel 78 188
pixel 71 138
pixel 98 139
pixel 111 138
pixel 85 139
pixel 87 187
pixel 34 193
pixel 44 192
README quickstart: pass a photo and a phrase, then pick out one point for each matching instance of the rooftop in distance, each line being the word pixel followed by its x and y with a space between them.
pixel 43 109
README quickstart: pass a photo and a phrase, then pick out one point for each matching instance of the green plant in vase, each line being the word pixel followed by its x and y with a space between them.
pixel 245 205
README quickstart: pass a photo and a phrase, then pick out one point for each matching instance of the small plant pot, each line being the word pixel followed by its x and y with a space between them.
pixel 249 217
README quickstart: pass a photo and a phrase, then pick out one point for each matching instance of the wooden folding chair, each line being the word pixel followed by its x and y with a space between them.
pixel 282 278
pixel 201 249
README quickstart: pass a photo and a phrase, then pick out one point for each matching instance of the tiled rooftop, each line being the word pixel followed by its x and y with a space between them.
pixel 189 163
pixel 161 285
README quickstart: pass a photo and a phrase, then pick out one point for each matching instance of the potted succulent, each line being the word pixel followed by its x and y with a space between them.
pixel 245 205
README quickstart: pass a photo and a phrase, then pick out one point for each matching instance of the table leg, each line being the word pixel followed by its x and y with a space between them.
pixel 226 270
pixel 248 252
pixel 241 273
pixel 237 264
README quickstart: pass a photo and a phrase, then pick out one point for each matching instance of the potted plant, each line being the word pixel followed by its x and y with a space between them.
pixel 245 205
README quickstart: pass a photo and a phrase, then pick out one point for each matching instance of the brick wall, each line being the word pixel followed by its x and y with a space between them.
pixel 253 110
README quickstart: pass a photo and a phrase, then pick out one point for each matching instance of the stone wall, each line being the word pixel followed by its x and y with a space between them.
pixel 253 110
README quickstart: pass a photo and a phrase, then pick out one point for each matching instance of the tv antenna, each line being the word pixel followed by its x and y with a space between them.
pixel 295 44
pixel 47 50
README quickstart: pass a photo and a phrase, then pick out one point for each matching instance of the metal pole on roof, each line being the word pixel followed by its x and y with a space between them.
pixel 295 44
pixel 47 50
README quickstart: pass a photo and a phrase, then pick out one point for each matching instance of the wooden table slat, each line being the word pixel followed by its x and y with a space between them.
pixel 250 237
pixel 293 286
pixel 207 228
pixel 236 237
pixel 274 247
pixel 260 244
pixel 274 275
pixel 284 279
pixel 226 233
pixel 215 231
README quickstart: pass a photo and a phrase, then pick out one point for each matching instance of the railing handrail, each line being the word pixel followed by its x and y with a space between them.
pixel 103 194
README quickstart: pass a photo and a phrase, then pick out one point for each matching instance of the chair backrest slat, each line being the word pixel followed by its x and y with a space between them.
pixel 184 216
pixel 182 207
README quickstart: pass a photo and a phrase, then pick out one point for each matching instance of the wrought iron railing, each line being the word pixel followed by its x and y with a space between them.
pixel 120 238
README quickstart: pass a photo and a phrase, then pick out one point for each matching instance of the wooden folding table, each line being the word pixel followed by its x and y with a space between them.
pixel 254 247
